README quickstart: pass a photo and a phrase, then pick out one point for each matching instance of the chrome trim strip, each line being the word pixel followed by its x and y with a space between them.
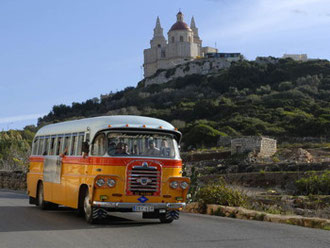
pixel 138 189
pixel 128 205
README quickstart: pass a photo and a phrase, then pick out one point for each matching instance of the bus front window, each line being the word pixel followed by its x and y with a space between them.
pixel 146 145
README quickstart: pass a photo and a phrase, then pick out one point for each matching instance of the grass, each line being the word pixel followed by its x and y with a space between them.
pixel 326 227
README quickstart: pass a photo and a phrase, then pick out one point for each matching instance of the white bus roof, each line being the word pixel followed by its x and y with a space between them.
pixel 96 124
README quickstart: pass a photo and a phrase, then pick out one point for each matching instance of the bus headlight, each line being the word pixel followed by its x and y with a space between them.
pixel 184 185
pixel 111 183
pixel 174 184
pixel 100 182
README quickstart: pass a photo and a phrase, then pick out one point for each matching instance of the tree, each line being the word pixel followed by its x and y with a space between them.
pixel 202 135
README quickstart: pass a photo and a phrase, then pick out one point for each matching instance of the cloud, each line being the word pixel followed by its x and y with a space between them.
pixel 13 119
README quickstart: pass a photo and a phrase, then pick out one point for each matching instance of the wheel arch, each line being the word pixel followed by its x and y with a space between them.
pixel 37 190
pixel 82 189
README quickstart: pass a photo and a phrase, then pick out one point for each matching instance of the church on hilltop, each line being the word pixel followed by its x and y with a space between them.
pixel 183 45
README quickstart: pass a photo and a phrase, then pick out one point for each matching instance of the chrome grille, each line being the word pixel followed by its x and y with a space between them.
pixel 143 180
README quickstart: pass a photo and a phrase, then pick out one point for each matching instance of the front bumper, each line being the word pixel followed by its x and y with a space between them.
pixel 130 205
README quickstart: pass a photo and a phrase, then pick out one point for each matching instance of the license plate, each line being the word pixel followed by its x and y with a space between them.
pixel 143 208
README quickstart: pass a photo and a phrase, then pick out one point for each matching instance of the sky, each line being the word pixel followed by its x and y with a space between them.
pixel 58 51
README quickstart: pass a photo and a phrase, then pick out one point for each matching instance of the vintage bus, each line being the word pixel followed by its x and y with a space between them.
pixel 107 164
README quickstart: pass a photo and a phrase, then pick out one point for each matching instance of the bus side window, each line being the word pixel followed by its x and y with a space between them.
pixel 46 145
pixel 52 145
pixel 40 146
pixel 59 145
pixel 98 147
pixel 66 144
pixel 80 141
pixel 35 146
pixel 74 144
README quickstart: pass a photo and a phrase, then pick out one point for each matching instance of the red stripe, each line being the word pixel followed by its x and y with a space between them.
pixel 111 161
pixel 36 159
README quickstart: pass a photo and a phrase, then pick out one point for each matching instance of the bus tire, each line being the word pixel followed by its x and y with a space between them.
pixel 163 219
pixel 81 198
pixel 41 203
pixel 169 216
pixel 92 214
pixel 33 200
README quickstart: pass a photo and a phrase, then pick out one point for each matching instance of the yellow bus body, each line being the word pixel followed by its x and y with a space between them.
pixel 64 176
pixel 74 175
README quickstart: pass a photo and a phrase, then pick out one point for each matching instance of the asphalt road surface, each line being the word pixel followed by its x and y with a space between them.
pixel 23 225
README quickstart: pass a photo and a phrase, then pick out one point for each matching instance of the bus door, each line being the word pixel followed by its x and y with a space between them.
pixel 53 170
pixel 76 170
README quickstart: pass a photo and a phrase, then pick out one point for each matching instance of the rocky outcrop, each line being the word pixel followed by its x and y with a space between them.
pixel 301 156
pixel 201 67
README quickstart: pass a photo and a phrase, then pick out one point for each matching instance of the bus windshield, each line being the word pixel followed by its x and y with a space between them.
pixel 135 144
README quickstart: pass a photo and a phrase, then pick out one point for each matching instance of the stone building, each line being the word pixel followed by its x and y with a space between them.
pixel 183 45
pixel 263 147
pixel 296 57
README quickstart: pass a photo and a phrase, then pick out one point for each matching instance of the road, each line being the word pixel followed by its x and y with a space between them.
pixel 24 225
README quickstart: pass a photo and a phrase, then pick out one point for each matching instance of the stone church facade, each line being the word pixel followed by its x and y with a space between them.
pixel 183 45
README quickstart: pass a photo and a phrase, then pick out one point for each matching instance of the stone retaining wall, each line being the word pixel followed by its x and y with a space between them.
pixel 246 214
pixel 206 156
pixel 201 67
pixel 15 180
pixel 283 180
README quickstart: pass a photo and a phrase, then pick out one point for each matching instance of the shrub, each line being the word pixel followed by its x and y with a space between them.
pixel 202 134
pixel 220 193
pixel 286 85
pixel 314 184
pixel 14 150
pixel 275 159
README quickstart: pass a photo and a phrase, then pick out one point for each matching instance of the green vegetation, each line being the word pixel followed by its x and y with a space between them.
pixel 220 193
pixel 15 148
pixel 314 184
pixel 203 134
pixel 287 98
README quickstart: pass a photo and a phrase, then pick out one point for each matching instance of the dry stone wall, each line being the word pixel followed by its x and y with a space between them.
pixel 15 180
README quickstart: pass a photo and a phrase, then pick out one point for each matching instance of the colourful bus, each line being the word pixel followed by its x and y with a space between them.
pixel 107 164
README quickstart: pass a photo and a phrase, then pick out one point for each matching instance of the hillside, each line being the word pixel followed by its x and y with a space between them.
pixel 15 147
pixel 285 98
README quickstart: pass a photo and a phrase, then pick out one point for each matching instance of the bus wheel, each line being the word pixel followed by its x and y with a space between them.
pixel 92 214
pixel 33 200
pixel 169 216
pixel 40 198
pixel 81 202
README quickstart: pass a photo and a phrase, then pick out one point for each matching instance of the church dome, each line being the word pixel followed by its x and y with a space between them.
pixel 180 24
